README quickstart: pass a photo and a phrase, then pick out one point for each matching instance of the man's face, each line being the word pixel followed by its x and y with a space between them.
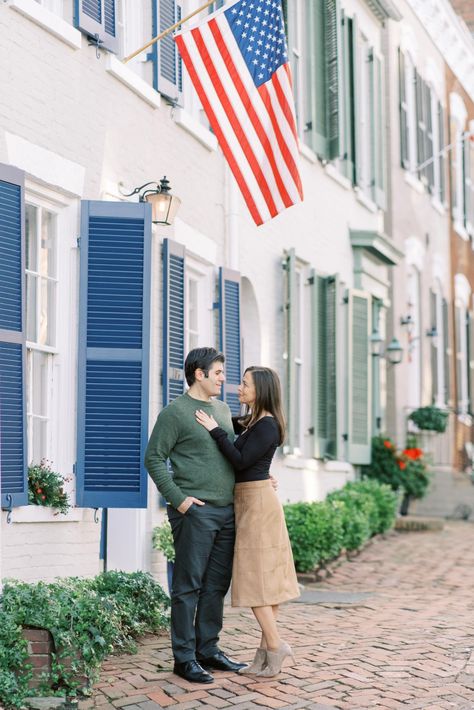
pixel 212 384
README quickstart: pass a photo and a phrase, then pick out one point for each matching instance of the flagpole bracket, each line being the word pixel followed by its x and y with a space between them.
pixel 95 41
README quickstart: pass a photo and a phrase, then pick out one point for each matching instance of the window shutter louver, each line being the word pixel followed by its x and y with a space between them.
pixel 318 78
pixel 357 98
pixel 333 103
pixel 378 113
pixel 429 170
pixel 113 360
pixel 459 326
pixel 97 18
pixel 468 207
pixel 359 377
pixel 420 124
pixel 470 358
pixel 324 365
pixel 404 137
pixel 168 65
pixel 348 88
pixel 13 457
pixel 290 337
pixel 229 330
pixel 174 265
pixel 447 350
pixel 442 156
pixel 434 349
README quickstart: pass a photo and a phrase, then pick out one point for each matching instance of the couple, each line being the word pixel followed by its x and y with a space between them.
pixel 211 472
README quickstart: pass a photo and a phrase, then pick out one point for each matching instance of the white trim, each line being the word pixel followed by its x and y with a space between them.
pixel 195 242
pixel 184 119
pixel 457 109
pixel 461 231
pixel 39 514
pixel 331 170
pixel 307 153
pixel 365 201
pixel 49 21
pixel 46 166
pixel 462 291
pixel 440 208
pixel 415 253
pixel 414 182
pixel 128 77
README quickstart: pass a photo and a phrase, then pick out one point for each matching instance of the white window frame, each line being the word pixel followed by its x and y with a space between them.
pixel 458 116
pixel 462 300
pixel 202 275
pixel 411 114
pixel 131 29
pixel 439 345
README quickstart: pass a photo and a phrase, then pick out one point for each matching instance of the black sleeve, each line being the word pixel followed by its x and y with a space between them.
pixel 260 438
pixel 238 428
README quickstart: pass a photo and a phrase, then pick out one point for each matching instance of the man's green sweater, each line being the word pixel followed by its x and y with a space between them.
pixel 199 468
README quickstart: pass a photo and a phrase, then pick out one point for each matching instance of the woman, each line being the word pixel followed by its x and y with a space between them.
pixel 263 573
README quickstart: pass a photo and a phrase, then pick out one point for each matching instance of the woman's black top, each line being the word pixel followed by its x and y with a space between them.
pixel 251 453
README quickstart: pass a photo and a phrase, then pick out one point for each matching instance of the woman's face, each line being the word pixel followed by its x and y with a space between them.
pixel 246 390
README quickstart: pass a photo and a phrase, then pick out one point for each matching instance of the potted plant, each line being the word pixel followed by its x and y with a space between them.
pixel 46 487
pixel 430 419
pixel 415 475
pixel 162 540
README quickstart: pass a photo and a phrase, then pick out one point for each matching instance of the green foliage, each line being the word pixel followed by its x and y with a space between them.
pixel 416 478
pixel 430 419
pixel 162 540
pixel 88 619
pixel 384 463
pixel 46 487
pixel 345 520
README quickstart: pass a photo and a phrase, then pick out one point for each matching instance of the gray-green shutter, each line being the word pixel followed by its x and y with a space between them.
pixel 357 98
pixel 325 294
pixel 454 157
pixel 359 377
pixel 470 360
pixel 378 130
pixel 315 79
pixel 447 350
pixel 458 326
pixel 403 106
pixel 434 348
pixel 467 184
pixel 348 98
pixel 420 123
pixel 442 156
pixel 290 335
pixel 332 46
pixel 429 170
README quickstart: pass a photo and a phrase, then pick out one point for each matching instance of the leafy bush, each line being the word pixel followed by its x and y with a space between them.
pixel 162 540
pixel 384 463
pixel 319 531
pixel 88 619
pixel 46 487
pixel 430 419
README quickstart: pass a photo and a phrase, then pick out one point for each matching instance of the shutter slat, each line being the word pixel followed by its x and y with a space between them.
pixel 114 354
pixel 173 320
pixel 168 72
pixel 229 330
pixel 359 377
pixel 97 19
pixel 13 458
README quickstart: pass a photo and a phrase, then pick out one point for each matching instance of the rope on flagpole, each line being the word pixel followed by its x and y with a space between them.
pixel 166 32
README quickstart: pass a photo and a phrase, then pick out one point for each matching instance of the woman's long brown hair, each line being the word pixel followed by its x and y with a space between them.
pixel 267 398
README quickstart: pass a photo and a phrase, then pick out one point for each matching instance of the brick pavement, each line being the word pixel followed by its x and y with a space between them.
pixel 408 643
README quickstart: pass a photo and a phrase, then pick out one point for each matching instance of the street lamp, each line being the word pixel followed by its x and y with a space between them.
pixel 376 341
pixel 394 352
pixel 164 205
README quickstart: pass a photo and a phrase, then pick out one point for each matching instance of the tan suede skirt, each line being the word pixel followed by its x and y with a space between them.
pixel 264 572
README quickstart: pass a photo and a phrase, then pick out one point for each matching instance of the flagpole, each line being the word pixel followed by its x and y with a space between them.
pixel 166 32
pixel 444 151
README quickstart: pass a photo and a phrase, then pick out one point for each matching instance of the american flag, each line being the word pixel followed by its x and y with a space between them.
pixel 237 60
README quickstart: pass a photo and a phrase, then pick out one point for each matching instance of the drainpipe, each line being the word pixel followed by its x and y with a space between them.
pixel 231 214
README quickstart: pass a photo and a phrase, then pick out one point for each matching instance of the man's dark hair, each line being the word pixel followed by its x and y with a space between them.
pixel 200 359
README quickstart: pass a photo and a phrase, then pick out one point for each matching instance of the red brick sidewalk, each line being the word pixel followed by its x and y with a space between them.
pixel 405 639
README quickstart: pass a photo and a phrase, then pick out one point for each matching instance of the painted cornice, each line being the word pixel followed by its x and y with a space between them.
pixel 451 36
pixel 377 244
pixel 384 9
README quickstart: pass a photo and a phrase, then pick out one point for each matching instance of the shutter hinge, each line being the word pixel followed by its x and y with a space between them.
pixel 78 242
pixel 310 281
pixel 74 468
pixel 345 299
pixel 311 430
pixel 345 437
pixel 215 305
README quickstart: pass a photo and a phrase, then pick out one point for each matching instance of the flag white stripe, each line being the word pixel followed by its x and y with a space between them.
pixel 226 127
pixel 235 101
pixel 282 120
pixel 262 113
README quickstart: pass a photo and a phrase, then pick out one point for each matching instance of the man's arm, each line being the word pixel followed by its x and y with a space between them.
pixel 162 441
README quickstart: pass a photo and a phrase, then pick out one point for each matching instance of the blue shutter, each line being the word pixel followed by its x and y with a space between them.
pixel 229 330
pixel 173 320
pixel 97 19
pixel 167 64
pixel 13 460
pixel 114 333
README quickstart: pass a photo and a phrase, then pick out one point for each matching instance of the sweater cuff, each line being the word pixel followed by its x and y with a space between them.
pixel 218 433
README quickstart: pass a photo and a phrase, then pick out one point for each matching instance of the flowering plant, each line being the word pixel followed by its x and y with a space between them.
pixel 406 469
pixel 415 478
pixel 46 487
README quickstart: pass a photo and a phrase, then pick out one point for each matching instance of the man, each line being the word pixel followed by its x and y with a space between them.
pixel 201 514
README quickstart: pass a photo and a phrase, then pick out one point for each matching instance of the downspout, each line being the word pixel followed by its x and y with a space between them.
pixel 231 216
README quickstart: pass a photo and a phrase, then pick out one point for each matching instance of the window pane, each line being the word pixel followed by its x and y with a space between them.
pixel 38 443
pixel 39 385
pixel 192 305
pixel 48 244
pixel 31 214
pixel 31 307
pixel 47 313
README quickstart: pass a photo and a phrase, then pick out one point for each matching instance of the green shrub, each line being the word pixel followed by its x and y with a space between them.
pixel 430 418
pixel 385 499
pixel 384 466
pixel 162 539
pixel 361 501
pixel 87 618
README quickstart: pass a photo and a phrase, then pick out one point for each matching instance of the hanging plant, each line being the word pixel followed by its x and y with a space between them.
pixel 430 419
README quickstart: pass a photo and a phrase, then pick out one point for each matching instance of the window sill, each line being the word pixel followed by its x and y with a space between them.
pixel 203 135
pixel 336 175
pixel 461 231
pixel 139 87
pixel 465 419
pixel 438 206
pixel 365 201
pixel 414 182
pixel 38 514
pixel 48 21
pixel 308 153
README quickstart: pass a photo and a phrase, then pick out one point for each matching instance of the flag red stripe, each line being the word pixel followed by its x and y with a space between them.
pixel 289 159
pixel 284 104
pixel 259 129
pixel 217 130
pixel 231 115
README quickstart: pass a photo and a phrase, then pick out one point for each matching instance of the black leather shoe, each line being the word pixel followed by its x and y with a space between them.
pixel 192 671
pixel 220 662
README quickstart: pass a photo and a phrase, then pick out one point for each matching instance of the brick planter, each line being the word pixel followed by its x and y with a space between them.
pixel 40 649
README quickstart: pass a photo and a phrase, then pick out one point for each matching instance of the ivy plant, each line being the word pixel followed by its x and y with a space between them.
pixel 46 487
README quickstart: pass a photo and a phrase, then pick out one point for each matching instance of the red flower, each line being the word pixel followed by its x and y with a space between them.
pixel 43 497
pixel 402 465
pixel 388 444
pixel 39 490
pixel 413 454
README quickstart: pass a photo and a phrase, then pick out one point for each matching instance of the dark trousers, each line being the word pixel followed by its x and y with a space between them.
pixel 204 544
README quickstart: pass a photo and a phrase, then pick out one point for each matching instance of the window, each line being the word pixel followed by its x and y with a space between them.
pixel 41 286
pixel 132 21
pixel 462 381
pixel 198 305
pixel 438 340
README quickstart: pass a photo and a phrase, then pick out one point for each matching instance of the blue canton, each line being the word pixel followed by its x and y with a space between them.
pixel 258 28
